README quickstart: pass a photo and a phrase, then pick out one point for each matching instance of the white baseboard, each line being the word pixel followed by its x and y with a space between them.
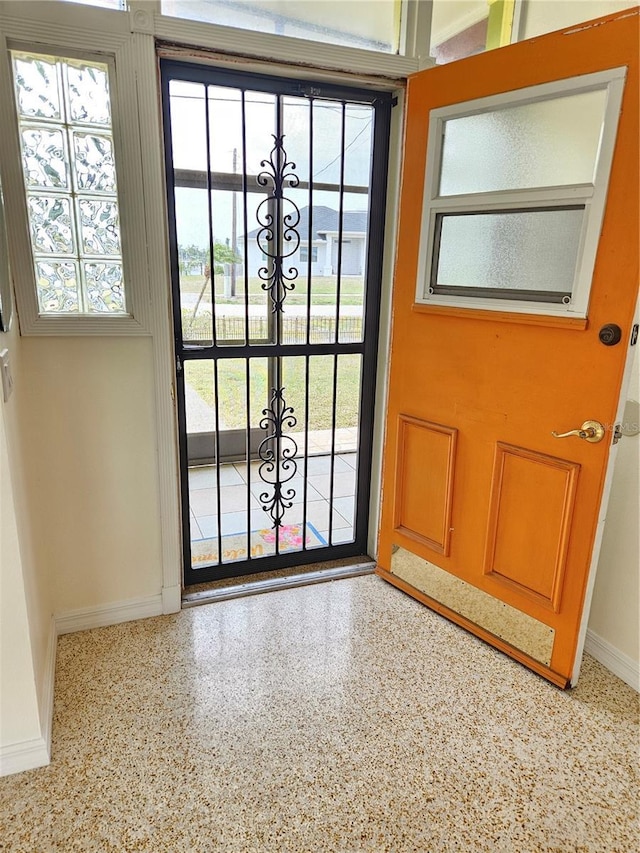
pixel 36 752
pixel 108 614
pixel 30 754
pixel 26 755
pixel 613 659
pixel 171 599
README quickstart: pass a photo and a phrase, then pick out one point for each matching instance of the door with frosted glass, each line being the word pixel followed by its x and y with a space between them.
pixel 276 200
pixel 513 320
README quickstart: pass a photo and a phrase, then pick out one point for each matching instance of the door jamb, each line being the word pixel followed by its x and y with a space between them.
pixel 384 326
pixel 604 503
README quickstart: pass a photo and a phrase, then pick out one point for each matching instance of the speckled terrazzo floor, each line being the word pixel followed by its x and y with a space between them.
pixel 338 717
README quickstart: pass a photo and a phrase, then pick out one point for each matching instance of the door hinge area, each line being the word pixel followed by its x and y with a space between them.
pixel 178 365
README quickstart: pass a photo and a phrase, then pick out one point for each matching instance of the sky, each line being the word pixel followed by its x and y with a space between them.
pixel 188 124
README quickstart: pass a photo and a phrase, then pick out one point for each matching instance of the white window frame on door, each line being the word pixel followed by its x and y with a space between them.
pixel 592 196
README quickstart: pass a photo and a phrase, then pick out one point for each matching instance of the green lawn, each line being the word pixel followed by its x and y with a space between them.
pixel 323 290
pixel 232 381
pixel 232 389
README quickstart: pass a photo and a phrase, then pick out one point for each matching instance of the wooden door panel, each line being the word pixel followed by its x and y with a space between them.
pixel 502 382
pixel 532 502
pixel 423 503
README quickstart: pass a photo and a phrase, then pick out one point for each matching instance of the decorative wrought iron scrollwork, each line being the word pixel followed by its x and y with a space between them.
pixel 279 218
pixel 277 451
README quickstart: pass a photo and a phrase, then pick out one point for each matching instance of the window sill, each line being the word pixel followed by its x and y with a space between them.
pixel 576 323
pixel 59 326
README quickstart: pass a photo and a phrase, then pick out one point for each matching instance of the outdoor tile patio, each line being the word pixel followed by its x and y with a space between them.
pixel 203 498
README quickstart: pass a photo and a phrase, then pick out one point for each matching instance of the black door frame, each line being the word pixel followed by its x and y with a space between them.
pixel 367 348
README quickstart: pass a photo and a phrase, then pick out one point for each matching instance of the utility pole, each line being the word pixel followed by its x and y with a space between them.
pixel 234 226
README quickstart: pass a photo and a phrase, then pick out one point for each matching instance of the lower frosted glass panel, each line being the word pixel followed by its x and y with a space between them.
pixel 510 254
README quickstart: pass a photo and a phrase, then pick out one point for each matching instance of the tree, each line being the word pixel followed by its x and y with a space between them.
pixel 223 254
pixel 192 256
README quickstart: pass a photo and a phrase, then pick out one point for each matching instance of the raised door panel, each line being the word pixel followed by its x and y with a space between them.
pixel 532 503
pixel 424 482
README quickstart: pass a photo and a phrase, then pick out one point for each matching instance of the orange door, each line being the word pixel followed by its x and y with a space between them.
pixel 506 290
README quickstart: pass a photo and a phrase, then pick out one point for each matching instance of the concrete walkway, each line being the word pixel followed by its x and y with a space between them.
pixel 188 300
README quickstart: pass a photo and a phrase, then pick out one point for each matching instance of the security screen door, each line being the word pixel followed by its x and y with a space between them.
pixel 276 215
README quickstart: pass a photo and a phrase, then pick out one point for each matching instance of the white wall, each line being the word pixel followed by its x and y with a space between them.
pixel 545 16
pixel 91 467
pixel 79 512
pixel 451 17
pixel 26 639
pixel 19 720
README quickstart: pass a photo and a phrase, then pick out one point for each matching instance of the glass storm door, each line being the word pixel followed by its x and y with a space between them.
pixel 276 217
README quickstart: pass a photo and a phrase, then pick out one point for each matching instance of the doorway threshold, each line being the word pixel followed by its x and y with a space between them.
pixel 285 579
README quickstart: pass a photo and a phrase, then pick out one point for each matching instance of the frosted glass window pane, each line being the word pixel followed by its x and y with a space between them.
pixel 95 167
pixel 44 157
pixel 526 255
pixel 345 23
pixel 99 226
pixel 38 86
pixel 88 88
pixel 544 144
pixel 51 225
pixel 57 284
pixel 104 287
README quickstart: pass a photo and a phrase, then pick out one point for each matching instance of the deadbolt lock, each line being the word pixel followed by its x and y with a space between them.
pixel 610 335
pixel 591 431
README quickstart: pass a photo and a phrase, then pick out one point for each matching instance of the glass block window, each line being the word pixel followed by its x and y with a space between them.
pixel 66 137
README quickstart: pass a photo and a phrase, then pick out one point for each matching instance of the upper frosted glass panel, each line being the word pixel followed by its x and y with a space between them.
pixel 348 23
pixel 543 144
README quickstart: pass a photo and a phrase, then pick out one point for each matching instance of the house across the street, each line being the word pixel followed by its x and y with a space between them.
pixel 324 244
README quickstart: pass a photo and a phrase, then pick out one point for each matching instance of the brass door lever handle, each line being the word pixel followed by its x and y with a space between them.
pixel 591 431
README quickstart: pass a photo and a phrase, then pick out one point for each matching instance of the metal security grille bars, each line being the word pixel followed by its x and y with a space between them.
pixel 278 237
pixel 276 199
